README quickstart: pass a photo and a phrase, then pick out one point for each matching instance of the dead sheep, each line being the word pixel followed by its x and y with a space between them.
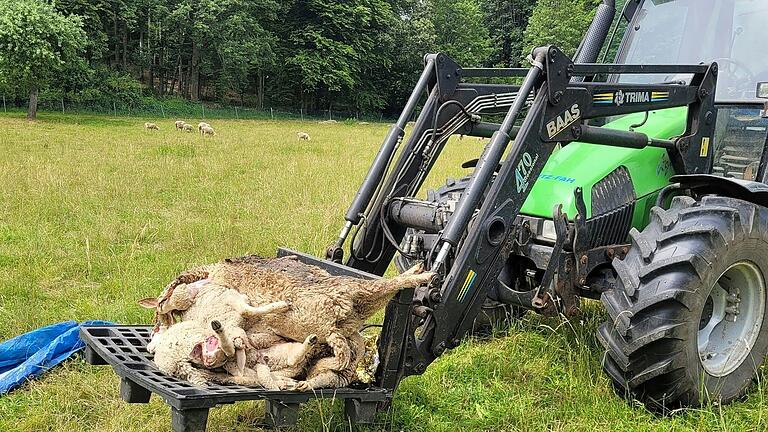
pixel 180 124
pixel 207 130
pixel 190 351
pixel 151 126
pixel 303 136
pixel 204 302
pixel 332 307
pixel 200 127
pixel 186 127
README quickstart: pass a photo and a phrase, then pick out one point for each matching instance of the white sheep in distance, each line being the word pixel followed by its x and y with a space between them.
pixel 151 126
pixel 201 125
pixel 180 124
pixel 303 136
pixel 207 130
pixel 186 127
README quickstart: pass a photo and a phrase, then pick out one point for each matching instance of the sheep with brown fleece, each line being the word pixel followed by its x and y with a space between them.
pixel 331 307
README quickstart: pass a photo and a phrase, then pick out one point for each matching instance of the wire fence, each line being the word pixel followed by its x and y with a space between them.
pixel 181 109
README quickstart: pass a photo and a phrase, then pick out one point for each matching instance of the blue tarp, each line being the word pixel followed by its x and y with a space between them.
pixel 29 355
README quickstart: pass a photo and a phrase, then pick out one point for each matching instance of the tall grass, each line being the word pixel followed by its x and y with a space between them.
pixel 96 213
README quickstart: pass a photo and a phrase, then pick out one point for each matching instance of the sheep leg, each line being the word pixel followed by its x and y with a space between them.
pixel 341 350
pixel 264 340
pixel 265 378
pixel 327 379
pixel 322 375
pixel 276 307
pixel 298 357
pixel 200 376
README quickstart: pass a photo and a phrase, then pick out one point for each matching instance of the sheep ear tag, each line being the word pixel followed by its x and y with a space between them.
pixel 149 302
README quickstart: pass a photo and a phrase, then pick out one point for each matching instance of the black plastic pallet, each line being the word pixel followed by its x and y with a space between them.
pixel 124 348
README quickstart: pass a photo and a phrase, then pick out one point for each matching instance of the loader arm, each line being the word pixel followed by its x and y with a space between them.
pixel 553 103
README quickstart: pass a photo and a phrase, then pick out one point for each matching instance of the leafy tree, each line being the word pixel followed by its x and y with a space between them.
pixel 414 36
pixel 36 42
pixel 507 21
pixel 558 22
pixel 461 31
pixel 331 44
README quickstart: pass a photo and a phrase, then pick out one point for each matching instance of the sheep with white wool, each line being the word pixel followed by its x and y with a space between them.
pixel 207 130
pixel 151 126
pixel 303 136
pixel 313 303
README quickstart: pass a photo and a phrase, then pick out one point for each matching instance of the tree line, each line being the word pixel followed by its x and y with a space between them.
pixel 353 55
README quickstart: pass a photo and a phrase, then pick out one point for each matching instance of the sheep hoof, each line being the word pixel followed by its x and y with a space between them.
pixel 216 326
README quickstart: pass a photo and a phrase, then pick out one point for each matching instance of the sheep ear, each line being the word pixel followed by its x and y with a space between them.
pixel 149 302
pixel 197 353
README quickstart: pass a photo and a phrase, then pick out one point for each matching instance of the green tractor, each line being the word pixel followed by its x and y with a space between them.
pixel 639 183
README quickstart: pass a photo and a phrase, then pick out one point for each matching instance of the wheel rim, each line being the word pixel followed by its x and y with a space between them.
pixel 731 319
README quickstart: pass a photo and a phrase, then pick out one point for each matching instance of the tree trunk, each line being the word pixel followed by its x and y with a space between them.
pixel 194 73
pixel 32 111
pixel 260 86
pixel 125 46
pixel 151 76
pixel 114 32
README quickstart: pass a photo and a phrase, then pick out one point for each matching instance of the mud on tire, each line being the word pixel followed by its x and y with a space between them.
pixel 664 302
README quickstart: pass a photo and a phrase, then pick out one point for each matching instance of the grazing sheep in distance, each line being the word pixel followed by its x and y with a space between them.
pixel 200 127
pixel 328 122
pixel 180 124
pixel 151 126
pixel 207 130
pixel 303 136
pixel 186 127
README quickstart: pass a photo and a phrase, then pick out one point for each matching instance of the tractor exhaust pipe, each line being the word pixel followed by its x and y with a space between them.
pixel 595 37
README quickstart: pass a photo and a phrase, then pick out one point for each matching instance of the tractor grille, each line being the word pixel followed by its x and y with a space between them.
pixel 612 227
pixel 613 204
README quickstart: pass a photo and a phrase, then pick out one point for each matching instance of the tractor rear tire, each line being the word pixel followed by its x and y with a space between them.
pixel 688 323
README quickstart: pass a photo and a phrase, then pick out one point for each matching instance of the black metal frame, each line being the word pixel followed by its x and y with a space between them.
pixel 556 106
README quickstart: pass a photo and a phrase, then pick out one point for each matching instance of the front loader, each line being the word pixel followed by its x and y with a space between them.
pixel 660 213
pixel 639 183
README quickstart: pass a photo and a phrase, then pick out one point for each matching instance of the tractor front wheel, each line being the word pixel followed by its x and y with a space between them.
pixel 688 322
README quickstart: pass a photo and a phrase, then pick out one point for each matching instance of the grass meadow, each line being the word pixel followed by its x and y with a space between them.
pixel 96 213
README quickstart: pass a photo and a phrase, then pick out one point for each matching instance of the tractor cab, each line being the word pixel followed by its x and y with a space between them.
pixel 729 32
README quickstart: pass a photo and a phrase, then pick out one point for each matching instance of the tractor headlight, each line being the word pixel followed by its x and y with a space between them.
pixel 548 230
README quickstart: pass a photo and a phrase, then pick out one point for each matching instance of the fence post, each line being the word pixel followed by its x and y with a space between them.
pixel 4 110
pixel 236 116
pixel 301 110
pixel 62 105
pixel 162 110
pixel 203 105
pixel 271 113
pixel 114 108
